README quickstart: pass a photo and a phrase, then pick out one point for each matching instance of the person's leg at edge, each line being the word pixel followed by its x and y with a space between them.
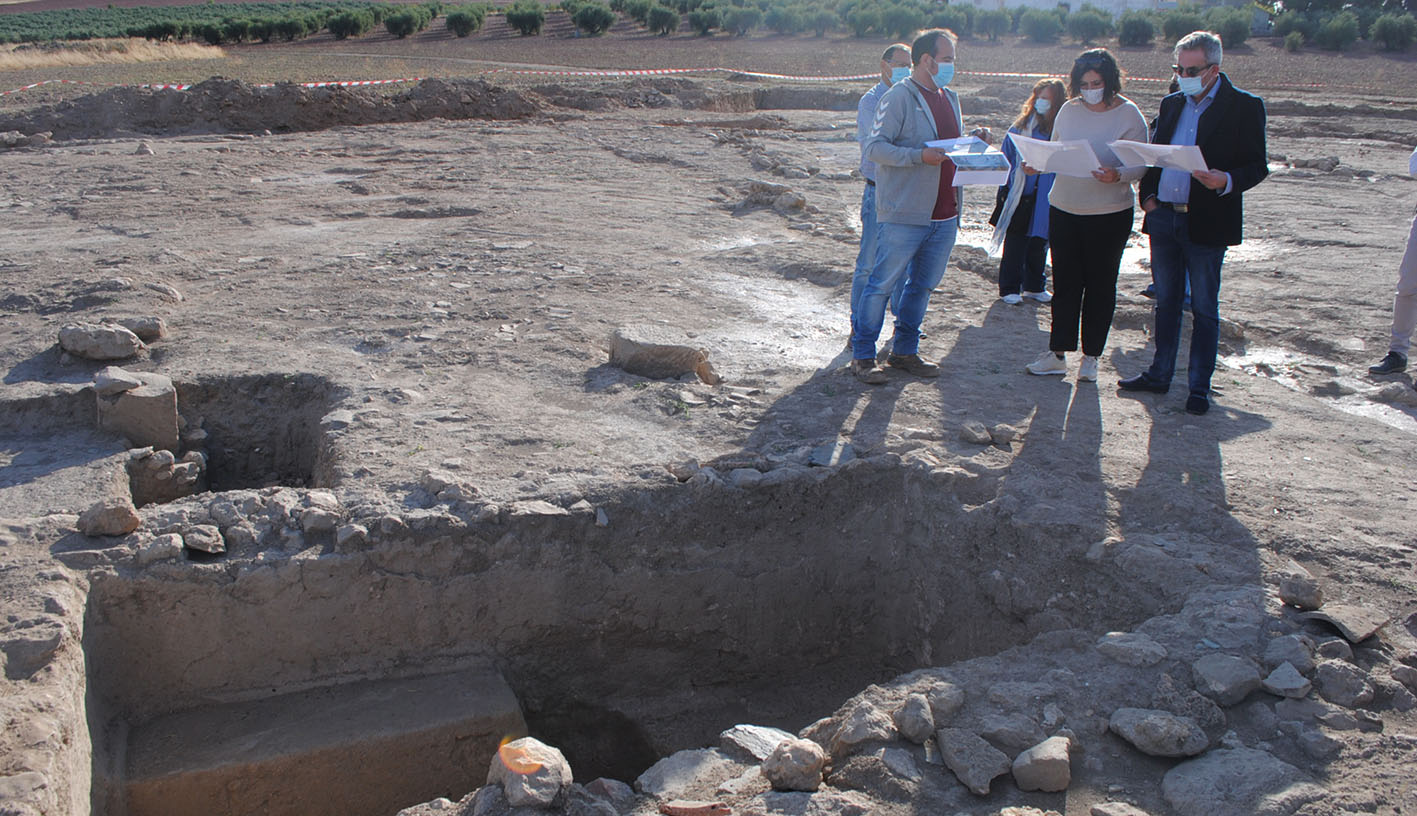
pixel 1104 259
pixel 926 271
pixel 1065 236
pixel 1035 265
pixel 1203 265
pixel 1168 271
pixel 1404 303
pixel 896 245
pixel 866 256
pixel 1011 263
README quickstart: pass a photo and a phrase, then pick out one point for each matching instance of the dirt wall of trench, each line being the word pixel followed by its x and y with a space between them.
pixel 798 592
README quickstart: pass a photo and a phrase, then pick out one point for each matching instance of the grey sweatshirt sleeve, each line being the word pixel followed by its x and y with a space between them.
pixel 883 145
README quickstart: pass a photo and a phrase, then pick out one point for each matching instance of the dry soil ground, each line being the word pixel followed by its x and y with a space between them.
pixel 458 280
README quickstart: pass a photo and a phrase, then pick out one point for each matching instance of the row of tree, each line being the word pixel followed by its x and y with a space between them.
pixel 173 22
pixel 1328 23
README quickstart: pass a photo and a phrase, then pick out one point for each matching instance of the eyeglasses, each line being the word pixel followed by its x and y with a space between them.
pixel 1192 71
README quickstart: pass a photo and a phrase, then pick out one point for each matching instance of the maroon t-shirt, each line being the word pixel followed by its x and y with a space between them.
pixel 945 204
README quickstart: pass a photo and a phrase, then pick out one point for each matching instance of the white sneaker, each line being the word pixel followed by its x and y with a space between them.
pixel 1049 363
pixel 1012 300
pixel 1041 297
pixel 1087 369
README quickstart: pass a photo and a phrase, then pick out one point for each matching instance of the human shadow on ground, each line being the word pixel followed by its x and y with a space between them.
pixel 1054 474
pixel 830 403
pixel 1182 486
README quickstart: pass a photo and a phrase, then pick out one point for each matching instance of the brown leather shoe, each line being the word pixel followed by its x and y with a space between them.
pixel 912 364
pixel 868 372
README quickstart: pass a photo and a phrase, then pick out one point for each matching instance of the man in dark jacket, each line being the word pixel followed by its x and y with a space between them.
pixel 1193 217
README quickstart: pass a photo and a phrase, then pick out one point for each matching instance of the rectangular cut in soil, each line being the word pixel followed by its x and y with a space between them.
pixel 364 748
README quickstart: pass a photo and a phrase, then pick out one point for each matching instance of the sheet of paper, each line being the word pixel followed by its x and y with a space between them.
pixel 969 144
pixel 992 160
pixel 1174 157
pixel 1070 158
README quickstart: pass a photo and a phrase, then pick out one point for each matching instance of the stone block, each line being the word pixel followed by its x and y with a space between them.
pixel 146 415
pixel 531 773
pixel 659 354
pixel 99 342
pixel 914 720
pixel 1044 767
pixel 109 517
pixel 1286 681
pixel 973 760
pixel 365 747
pixel 795 765
pixel 755 741
pixel 1158 733
pixel 1226 679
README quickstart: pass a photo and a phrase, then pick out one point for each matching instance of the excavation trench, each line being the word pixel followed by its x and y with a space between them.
pixel 365 676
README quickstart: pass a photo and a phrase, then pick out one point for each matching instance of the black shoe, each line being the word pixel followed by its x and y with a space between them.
pixel 912 364
pixel 868 372
pixel 1149 292
pixel 1197 405
pixel 1141 382
pixel 1391 364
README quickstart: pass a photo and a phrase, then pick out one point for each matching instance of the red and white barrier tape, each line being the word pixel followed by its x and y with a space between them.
pixel 525 72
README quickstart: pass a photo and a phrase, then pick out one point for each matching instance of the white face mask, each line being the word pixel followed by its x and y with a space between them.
pixel 1092 96
pixel 1190 86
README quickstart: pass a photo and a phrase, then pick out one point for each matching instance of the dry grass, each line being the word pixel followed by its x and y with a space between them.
pixel 101 52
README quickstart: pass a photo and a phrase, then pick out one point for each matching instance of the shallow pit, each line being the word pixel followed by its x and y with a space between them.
pixel 696 608
pixel 260 429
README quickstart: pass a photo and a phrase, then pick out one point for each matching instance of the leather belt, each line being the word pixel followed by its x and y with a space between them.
pixel 1180 208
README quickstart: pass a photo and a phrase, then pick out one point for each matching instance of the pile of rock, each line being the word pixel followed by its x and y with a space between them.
pixel 246 523
pixel 1247 700
pixel 15 138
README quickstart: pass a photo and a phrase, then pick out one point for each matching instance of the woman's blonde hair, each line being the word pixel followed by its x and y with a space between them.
pixel 1045 122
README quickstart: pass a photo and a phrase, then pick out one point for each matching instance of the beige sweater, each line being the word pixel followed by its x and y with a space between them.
pixel 1088 196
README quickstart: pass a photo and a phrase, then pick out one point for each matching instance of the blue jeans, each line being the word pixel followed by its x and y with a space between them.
pixel 913 253
pixel 1176 263
pixel 866 257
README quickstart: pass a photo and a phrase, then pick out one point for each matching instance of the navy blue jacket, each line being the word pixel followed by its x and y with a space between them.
pixel 1231 138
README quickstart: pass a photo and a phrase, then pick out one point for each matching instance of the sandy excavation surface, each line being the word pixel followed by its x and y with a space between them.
pixel 454 283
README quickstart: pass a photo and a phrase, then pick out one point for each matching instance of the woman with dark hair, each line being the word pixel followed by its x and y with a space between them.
pixel 1022 204
pixel 1089 219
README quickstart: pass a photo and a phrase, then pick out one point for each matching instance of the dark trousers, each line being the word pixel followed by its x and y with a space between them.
pixel 1179 264
pixel 1087 252
pixel 1021 267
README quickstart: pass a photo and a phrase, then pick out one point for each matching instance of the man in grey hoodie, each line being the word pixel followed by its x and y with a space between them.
pixel 917 206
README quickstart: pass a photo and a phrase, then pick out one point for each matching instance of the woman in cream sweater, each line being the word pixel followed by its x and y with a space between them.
pixel 1089 219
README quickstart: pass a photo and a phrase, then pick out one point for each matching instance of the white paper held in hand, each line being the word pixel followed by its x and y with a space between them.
pixel 1171 157
pixel 1068 158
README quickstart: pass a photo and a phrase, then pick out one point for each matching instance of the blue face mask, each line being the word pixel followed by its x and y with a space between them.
pixel 1042 106
pixel 1190 86
pixel 944 74
pixel 897 74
